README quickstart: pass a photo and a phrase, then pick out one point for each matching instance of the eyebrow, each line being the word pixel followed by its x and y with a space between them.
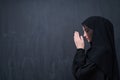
pixel 86 29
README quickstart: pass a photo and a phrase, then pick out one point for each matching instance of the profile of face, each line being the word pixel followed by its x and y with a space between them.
pixel 87 33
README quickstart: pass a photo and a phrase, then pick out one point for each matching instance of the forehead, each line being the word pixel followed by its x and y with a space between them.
pixel 85 27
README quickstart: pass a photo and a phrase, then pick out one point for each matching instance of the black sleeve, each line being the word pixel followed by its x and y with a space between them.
pixel 82 67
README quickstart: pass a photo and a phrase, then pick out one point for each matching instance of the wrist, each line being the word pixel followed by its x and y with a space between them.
pixel 80 48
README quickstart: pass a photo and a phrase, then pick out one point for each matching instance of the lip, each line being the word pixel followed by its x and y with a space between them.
pixel 86 38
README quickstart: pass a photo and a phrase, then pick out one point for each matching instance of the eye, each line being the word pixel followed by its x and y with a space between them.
pixel 87 30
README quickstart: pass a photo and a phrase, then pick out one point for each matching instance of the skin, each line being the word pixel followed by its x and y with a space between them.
pixel 78 39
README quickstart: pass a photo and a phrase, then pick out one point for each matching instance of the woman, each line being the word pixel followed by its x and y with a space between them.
pixel 99 61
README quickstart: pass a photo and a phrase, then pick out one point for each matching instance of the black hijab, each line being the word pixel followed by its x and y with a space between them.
pixel 102 46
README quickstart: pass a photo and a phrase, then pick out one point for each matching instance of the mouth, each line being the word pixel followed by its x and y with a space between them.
pixel 87 38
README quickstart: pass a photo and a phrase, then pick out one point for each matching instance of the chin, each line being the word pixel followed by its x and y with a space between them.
pixel 88 40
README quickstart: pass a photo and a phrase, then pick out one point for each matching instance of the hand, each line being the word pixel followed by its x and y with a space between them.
pixel 79 41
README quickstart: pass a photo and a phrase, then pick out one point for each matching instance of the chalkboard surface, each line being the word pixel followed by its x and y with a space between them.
pixel 36 36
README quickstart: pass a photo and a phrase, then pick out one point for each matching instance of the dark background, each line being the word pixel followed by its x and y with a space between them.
pixel 36 36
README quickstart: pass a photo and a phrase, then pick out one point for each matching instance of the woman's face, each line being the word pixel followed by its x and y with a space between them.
pixel 87 33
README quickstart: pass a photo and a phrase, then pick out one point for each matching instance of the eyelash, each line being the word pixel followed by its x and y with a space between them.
pixel 87 30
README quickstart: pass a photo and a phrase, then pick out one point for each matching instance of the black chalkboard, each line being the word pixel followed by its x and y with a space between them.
pixel 36 36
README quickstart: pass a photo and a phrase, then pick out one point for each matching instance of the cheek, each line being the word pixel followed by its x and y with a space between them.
pixel 89 35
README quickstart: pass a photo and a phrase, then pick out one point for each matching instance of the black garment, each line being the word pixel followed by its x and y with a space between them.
pixel 99 62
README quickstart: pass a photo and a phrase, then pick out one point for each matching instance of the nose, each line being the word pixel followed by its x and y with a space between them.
pixel 84 34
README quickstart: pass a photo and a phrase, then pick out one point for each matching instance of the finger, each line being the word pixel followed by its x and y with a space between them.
pixel 77 33
pixel 82 38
